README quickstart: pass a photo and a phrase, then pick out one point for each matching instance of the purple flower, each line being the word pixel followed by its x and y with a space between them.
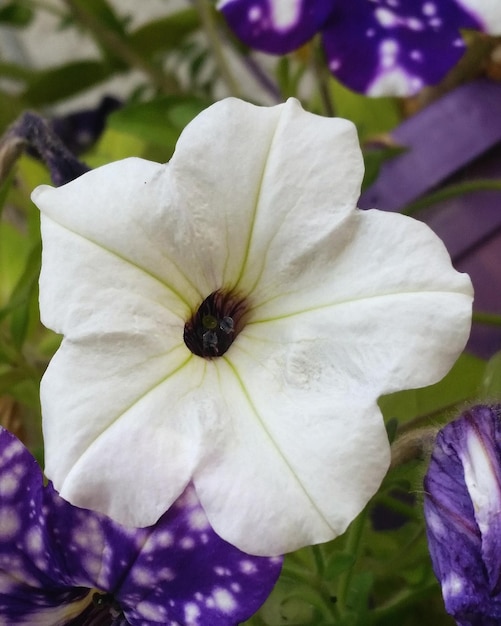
pixel 378 47
pixel 462 510
pixel 60 564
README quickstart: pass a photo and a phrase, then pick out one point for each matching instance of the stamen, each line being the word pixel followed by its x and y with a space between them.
pixel 213 328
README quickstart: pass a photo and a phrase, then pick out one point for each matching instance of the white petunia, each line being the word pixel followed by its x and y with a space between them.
pixel 312 310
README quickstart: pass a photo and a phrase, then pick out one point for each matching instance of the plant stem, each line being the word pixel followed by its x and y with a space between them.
pixel 451 192
pixel 322 77
pixel 491 319
pixel 353 546
pixel 400 601
pixel 204 10
pixel 120 48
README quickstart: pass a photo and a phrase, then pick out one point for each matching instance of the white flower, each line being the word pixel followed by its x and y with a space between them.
pixel 314 310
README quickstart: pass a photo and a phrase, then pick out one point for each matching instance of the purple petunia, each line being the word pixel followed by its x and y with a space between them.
pixel 462 504
pixel 377 47
pixel 62 565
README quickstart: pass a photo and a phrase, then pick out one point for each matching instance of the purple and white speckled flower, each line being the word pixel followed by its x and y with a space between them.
pixel 377 47
pixel 63 565
pixel 462 505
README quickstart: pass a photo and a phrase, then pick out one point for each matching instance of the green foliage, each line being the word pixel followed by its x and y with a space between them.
pixel 15 14
pixel 378 573
pixel 158 122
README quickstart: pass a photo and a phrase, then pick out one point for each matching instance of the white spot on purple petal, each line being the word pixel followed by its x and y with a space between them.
pixel 224 600
pixel 386 18
pixel 191 614
pixel 285 15
pixel 164 539
pixel 429 8
pixel 34 541
pixel 10 524
pixel 254 14
pixel 334 65
pixel 9 484
pixel 248 567
pixel 414 24
pixel 198 520
pixel 142 576
pixel 452 585
pixel 151 611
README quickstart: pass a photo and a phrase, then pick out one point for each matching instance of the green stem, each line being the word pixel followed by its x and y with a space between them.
pixel 204 9
pixel 323 78
pixel 451 191
pixel 120 48
pixel 400 601
pixel 353 546
pixel 491 319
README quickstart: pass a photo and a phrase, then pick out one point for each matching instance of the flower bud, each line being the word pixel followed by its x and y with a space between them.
pixel 463 515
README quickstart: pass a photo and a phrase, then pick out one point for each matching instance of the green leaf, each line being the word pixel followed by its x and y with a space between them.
pixel 27 283
pixel 13 257
pixel 103 11
pixel 159 121
pixel 16 14
pixel 10 108
pixel 338 563
pixel 64 81
pixel 372 116
pixel 491 383
pixel 164 34
pixel 374 159
pixel 460 384
pixel 9 379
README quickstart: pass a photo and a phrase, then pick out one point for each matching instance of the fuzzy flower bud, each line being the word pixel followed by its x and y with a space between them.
pixel 462 510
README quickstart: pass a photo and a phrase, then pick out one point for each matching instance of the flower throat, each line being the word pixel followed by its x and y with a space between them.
pixel 213 328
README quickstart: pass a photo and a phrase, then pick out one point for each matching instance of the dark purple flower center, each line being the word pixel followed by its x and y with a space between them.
pixel 104 610
pixel 213 327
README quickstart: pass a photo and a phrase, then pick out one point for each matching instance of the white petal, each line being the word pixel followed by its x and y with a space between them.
pixel 268 180
pixel 383 293
pixel 135 433
pixel 124 213
pixel 298 466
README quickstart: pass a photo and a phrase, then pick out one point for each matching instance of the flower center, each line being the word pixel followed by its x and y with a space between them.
pixel 104 610
pixel 215 325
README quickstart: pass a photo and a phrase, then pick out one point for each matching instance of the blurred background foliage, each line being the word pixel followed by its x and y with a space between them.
pixel 157 65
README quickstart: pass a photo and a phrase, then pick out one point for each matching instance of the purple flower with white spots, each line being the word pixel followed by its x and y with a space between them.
pixel 462 505
pixel 377 47
pixel 60 564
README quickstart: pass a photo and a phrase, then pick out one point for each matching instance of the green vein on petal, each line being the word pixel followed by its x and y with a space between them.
pixel 262 424
pixel 176 370
pixel 333 305
pixel 255 210
pixel 128 261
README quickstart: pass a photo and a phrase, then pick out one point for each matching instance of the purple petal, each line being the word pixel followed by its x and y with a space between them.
pixel 388 47
pixel 275 26
pixel 200 579
pixel 28 565
pixel 176 572
pixel 462 504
